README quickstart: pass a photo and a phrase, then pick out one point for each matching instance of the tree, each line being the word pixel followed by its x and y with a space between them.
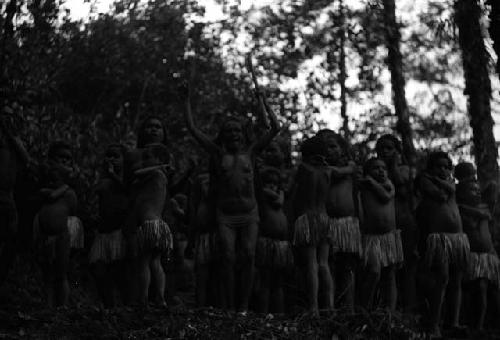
pixel 395 63
pixel 494 29
pixel 477 88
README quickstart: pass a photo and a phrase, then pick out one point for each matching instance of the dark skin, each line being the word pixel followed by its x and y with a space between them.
pixel 377 197
pixel 475 219
pixel 234 182
pixel 400 175
pixel 441 216
pixel 340 203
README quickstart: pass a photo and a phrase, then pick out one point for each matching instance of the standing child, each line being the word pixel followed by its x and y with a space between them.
pixel 381 240
pixel 237 212
pixel 273 254
pixel 484 265
pixel 312 225
pixel 342 209
pixel 148 234
pixel 446 249
pixel 108 248
pixel 389 150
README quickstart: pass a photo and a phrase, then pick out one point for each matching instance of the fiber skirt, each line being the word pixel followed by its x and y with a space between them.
pixel 312 229
pixel 154 235
pixel 346 235
pixel 108 247
pixel 484 266
pixel 447 249
pixel 273 253
pixel 386 248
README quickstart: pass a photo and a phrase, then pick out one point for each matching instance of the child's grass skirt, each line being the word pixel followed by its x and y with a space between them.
pixel 386 248
pixel 273 253
pixel 206 248
pixel 154 235
pixel 108 247
pixel 346 235
pixel 484 266
pixel 447 249
pixel 75 230
pixel 311 229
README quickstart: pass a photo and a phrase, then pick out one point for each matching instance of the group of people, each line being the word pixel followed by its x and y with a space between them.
pixel 354 234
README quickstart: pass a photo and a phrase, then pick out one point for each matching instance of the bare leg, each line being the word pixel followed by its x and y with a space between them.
pixel 440 274
pixel 227 243
pixel 248 239
pixel 61 269
pixel 143 278
pixel 372 278
pixel 482 285
pixel 264 290
pixel 312 283
pixel 102 278
pixel 409 288
pixel 390 292
pixel 202 277
pixel 455 294
pixel 324 274
pixel 158 275
pixel 277 291
pixel 346 264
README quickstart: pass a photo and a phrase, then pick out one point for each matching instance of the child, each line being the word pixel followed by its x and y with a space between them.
pixel 12 157
pixel 108 248
pixel 446 247
pixel 149 235
pixel 233 163
pixel 52 233
pixel 389 150
pixel 484 265
pixel 312 225
pixel 383 250
pixel 273 254
pixel 341 206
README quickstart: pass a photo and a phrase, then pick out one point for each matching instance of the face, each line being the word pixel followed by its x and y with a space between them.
pixel 473 192
pixel 232 135
pixel 63 157
pixel 153 130
pixel 378 171
pixel 273 155
pixel 114 157
pixel 272 185
pixel 333 150
pixel 386 150
pixel 441 168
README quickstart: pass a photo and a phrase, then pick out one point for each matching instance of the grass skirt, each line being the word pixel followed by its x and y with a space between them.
pixel 273 253
pixel 206 248
pixel 108 247
pixel 346 235
pixel 154 235
pixel 447 249
pixel 484 266
pixel 312 229
pixel 76 235
pixel 386 248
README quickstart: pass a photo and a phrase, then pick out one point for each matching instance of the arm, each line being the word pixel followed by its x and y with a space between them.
pixel 385 192
pixel 178 185
pixel 200 137
pixel 476 212
pixel 54 193
pixel 342 171
pixel 430 189
pixel 447 186
pixel 258 93
pixel 19 149
pixel 150 169
pixel 264 140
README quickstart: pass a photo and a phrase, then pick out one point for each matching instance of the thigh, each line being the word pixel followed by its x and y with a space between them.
pixel 323 251
pixel 62 254
pixel 248 237
pixel 227 239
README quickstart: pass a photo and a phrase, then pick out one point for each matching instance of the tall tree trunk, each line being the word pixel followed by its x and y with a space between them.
pixel 343 75
pixel 495 29
pixel 395 63
pixel 478 89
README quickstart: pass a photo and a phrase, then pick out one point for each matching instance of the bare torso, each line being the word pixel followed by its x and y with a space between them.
pixel 340 202
pixel 476 226
pixel 53 216
pixel 312 186
pixel 378 217
pixel 150 196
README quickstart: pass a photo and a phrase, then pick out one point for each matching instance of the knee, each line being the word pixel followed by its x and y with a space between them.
pixel 228 256
pixel 323 267
pixel 247 254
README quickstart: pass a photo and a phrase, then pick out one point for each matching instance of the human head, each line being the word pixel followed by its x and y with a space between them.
pixel 376 168
pixel 231 135
pixel 388 146
pixel 468 192
pixel 336 146
pixel 151 131
pixel 61 153
pixel 465 171
pixel 313 149
pixel 114 156
pixel 273 155
pixel 271 178
pixel 439 164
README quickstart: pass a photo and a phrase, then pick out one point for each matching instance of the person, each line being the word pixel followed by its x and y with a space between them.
pixel 148 235
pixel 484 266
pixel 446 248
pixel 389 150
pixel 311 225
pixel 109 248
pixel 52 224
pixel 383 250
pixel 233 163
pixel 342 208
pixel 13 157
pixel 273 252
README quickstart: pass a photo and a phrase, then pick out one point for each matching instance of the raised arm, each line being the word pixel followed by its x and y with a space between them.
pixel 200 137
pixel 268 136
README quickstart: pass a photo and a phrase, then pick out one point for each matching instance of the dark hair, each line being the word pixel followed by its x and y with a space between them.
pixel 141 135
pixel 434 156
pixel 313 146
pixel 270 174
pixel 369 163
pixel 391 138
pixel 57 146
pixel 464 170
pixel 343 143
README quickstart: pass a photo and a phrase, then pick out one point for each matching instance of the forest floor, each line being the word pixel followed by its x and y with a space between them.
pixel 24 316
